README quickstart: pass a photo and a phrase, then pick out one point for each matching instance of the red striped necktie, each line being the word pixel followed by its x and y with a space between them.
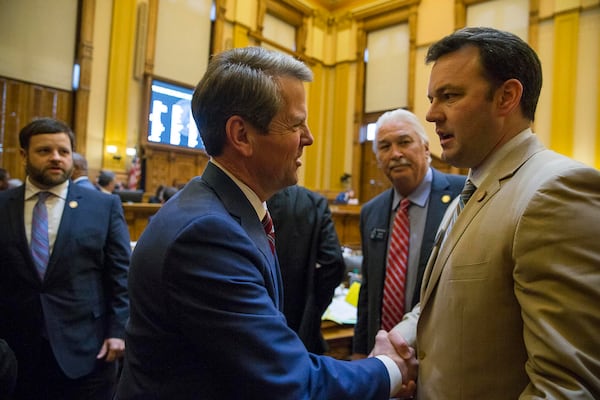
pixel 269 230
pixel 392 308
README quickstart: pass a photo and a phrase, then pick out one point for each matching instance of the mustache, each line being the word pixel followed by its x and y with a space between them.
pixel 399 163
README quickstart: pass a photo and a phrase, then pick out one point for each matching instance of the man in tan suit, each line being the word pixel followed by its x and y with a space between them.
pixel 510 302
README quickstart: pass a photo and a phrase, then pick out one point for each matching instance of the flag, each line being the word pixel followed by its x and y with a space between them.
pixel 133 176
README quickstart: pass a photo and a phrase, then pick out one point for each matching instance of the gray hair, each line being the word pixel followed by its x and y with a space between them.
pixel 400 115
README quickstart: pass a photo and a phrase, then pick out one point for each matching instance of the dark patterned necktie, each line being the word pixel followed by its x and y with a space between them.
pixel 392 308
pixel 40 245
pixel 463 199
pixel 269 230
pixel 465 195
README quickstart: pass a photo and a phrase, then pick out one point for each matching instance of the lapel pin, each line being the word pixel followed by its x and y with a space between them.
pixel 73 204
pixel 446 198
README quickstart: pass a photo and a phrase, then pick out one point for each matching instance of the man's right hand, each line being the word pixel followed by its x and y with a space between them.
pixel 395 347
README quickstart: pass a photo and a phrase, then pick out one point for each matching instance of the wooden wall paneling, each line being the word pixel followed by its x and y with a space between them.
pixel 172 167
pixel 373 179
pixel 11 117
pixel 157 169
pixel 183 168
pixel 22 102
pixel 84 57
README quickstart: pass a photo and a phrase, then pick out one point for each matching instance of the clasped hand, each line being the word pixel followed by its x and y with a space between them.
pixel 393 345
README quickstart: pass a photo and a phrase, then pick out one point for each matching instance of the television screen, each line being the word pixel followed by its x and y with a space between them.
pixel 170 119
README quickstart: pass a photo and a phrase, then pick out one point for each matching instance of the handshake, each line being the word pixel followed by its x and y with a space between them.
pixel 393 345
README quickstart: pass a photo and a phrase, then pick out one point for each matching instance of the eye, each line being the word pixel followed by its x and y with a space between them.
pixel 450 95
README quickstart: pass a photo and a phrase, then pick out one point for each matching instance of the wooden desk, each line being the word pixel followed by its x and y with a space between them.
pixel 339 339
pixel 137 215
pixel 346 219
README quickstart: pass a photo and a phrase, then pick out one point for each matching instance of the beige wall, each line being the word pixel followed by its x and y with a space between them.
pixel 332 44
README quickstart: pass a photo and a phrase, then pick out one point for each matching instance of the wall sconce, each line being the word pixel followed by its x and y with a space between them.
pixel 131 151
pixel 112 149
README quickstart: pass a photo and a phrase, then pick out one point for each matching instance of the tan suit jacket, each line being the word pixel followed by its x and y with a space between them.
pixel 510 305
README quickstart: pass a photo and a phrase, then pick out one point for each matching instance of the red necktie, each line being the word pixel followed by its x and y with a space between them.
pixel 269 230
pixel 395 274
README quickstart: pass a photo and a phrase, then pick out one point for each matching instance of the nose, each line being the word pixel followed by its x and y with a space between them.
pixel 55 155
pixel 307 137
pixel 433 114
pixel 397 151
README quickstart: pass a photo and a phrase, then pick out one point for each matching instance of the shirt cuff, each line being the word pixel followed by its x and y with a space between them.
pixel 393 372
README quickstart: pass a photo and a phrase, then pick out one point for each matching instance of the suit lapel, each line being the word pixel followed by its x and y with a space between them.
pixel 504 170
pixel 444 247
pixel 65 232
pixel 16 214
pixel 233 200
pixel 379 233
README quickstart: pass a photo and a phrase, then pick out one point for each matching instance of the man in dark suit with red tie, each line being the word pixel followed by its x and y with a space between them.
pixel 64 263
pixel 401 147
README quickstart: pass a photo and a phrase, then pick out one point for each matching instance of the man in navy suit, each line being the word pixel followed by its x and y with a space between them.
pixel 64 319
pixel 205 287
pixel 401 147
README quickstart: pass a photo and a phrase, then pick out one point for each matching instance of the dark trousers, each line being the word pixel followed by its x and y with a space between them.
pixel 46 381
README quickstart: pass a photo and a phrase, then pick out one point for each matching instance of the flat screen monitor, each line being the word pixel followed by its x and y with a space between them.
pixel 130 196
pixel 170 119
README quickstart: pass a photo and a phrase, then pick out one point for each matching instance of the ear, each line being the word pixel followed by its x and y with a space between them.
pixel 23 153
pixel 238 135
pixel 509 96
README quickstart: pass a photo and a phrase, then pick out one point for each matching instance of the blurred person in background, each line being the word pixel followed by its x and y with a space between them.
pixel 310 258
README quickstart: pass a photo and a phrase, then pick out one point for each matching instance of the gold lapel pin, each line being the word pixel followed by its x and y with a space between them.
pixel 446 198
pixel 481 195
pixel 73 204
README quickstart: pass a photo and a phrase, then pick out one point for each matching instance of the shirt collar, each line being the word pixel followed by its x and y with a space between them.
pixel 259 206
pixel 59 190
pixel 418 196
pixel 479 175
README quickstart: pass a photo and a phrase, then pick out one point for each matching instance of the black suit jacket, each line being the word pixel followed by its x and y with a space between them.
pixel 8 371
pixel 310 258
pixel 375 216
pixel 83 297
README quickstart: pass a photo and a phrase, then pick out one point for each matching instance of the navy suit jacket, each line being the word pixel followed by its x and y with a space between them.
pixel 83 297
pixel 206 302
pixel 311 260
pixel 375 215
pixel 86 184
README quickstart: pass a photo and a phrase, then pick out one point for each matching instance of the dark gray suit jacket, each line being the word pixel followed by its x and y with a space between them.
pixel 306 236
pixel 83 297
pixel 375 217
